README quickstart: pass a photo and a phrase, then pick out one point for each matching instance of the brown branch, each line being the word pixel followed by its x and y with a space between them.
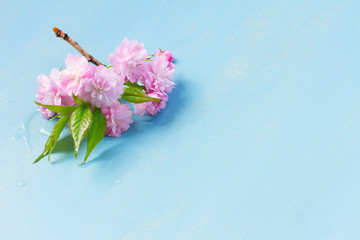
pixel 73 43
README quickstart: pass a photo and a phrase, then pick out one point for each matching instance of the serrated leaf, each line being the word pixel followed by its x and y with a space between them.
pixel 135 95
pixel 54 135
pixel 134 85
pixel 80 122
pixel 96 131
pixel 57 108
pixel 138 99
pixel 134 91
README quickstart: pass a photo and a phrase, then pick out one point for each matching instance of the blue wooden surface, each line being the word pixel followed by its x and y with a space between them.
pixel 260 138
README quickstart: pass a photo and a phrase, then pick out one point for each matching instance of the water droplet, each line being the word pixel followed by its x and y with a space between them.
pixel 44 132
pixel 26 135
pixel 117 181
pixel 21 166
pixel 22 183
pixel 22 132
pixel 16 137
pixel 9 101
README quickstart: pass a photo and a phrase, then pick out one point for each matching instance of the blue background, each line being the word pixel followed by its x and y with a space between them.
pixel 260 138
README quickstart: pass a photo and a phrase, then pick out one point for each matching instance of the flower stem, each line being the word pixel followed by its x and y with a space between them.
pixel 73 43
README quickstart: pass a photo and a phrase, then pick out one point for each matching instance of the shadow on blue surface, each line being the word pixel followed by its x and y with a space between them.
pixel 65 144
pixel 176 104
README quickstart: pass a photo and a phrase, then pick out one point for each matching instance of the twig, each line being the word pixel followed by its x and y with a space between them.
pixel 73 43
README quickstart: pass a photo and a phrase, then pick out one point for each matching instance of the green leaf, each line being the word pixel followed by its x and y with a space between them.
pixel 137 96
pixel 96 131
pixel 58 108
pixel 80 122
pixel 78 100
pixel 134 85
pixel 56 116
pixel 63 114
pixel 138 99
pixel 54 135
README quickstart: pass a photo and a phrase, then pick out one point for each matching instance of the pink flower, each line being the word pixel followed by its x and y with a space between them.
pixel 169 56
pixel 118 119
pixel 103 89
pixel 50 92
pixel 158 76
pixel 128 59
pixel 151 108
pixel 77 69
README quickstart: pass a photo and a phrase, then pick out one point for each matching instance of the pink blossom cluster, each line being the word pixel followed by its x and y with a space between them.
pixel 131 60
pixel 102 86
